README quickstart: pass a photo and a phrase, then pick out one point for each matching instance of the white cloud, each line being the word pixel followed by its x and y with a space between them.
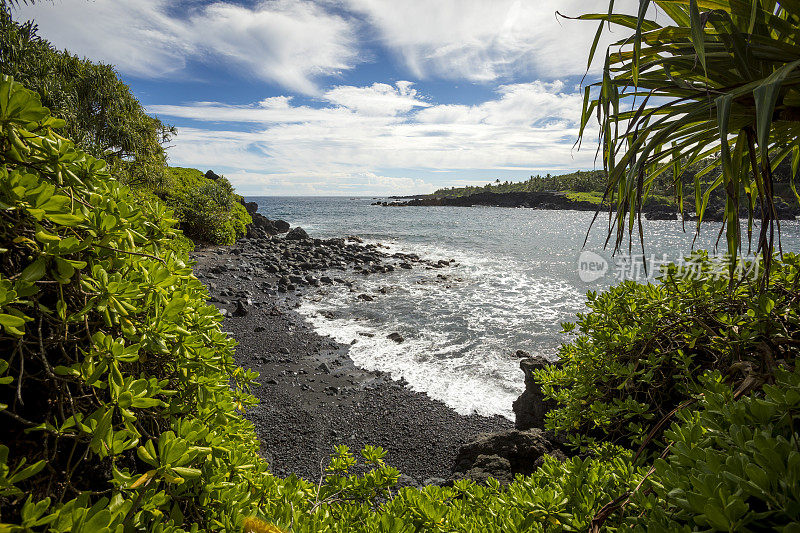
pixel 378 99
pixel 527 127
pixel 289 42
pixel 482 40
pixel 327 184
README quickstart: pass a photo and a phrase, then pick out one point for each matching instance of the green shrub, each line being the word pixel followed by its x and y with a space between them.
pixel 641 348
pixel 208 210
pixel 734 465
pixel 119 393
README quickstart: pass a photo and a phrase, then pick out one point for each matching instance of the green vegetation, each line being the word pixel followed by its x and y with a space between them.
pixel 104 119
pixel 121 402
pixel 641 349
pixel 208 209
pixel 120 397
pixel 102 116
pixel 580 181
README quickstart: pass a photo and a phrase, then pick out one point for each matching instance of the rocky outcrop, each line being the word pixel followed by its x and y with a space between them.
pixel 536 200
pixel 654 208
pixel 518 451
pixel 531 407
pixel 211 175
pixel 297 234
pixel 661 214
pixel 504 455
pixel 282 225
pixel 262 226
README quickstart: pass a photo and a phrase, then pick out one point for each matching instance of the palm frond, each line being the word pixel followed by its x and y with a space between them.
pixel 720 81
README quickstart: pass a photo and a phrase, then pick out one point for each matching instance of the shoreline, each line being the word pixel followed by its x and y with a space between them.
pixel 312 395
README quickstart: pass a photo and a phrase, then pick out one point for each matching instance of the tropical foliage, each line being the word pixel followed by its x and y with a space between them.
pixel 640 350
pixel 102 117
pixel 705 79
pixel 208 209
pixel 122 402
pixel 579 181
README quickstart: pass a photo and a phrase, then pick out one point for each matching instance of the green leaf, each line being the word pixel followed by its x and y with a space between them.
pixel 66 220
pixel 766 94
pixel 33 272
pixel 698 33
pixel 174 308
pixel 11 321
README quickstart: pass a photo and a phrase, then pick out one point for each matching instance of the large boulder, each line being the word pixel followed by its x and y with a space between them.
pixel 531 407
pixel 504 455
pixel 262 225
pixel 251 207
pixel 282 225
pixel 213 176
pixel 297 234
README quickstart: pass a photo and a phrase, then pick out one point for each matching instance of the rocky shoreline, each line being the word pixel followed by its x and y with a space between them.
pixel 312 396
pixel 652 210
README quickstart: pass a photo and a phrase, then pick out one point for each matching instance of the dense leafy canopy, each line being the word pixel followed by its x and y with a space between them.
pixel 102 117
pixel 208 209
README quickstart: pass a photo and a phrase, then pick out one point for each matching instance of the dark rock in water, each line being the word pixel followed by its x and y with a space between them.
pixel 530 408
pixel 211 175
pixel 522 354
pixel 396 337
pixel 297 234
pixel 365 297
pixel 241 310
pixel 661 214
pixel 282 225
pixel 503 455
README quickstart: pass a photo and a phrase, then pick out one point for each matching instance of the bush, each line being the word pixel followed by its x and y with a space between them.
pixel 641 348
pixel 115 377
pixel 733 465
pixel 209 211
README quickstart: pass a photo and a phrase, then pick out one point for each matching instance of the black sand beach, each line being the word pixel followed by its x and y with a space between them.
pixel 312 395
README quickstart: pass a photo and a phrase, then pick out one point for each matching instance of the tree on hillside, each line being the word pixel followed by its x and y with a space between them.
pixel 102 115
pixel 715 79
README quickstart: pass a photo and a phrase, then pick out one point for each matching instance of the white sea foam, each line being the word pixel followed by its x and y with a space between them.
pixel 459 332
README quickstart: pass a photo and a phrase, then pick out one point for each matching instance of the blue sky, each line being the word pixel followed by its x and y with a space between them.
pixel 348 97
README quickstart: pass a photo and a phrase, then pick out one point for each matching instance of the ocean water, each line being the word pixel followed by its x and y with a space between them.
pixel 518 274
